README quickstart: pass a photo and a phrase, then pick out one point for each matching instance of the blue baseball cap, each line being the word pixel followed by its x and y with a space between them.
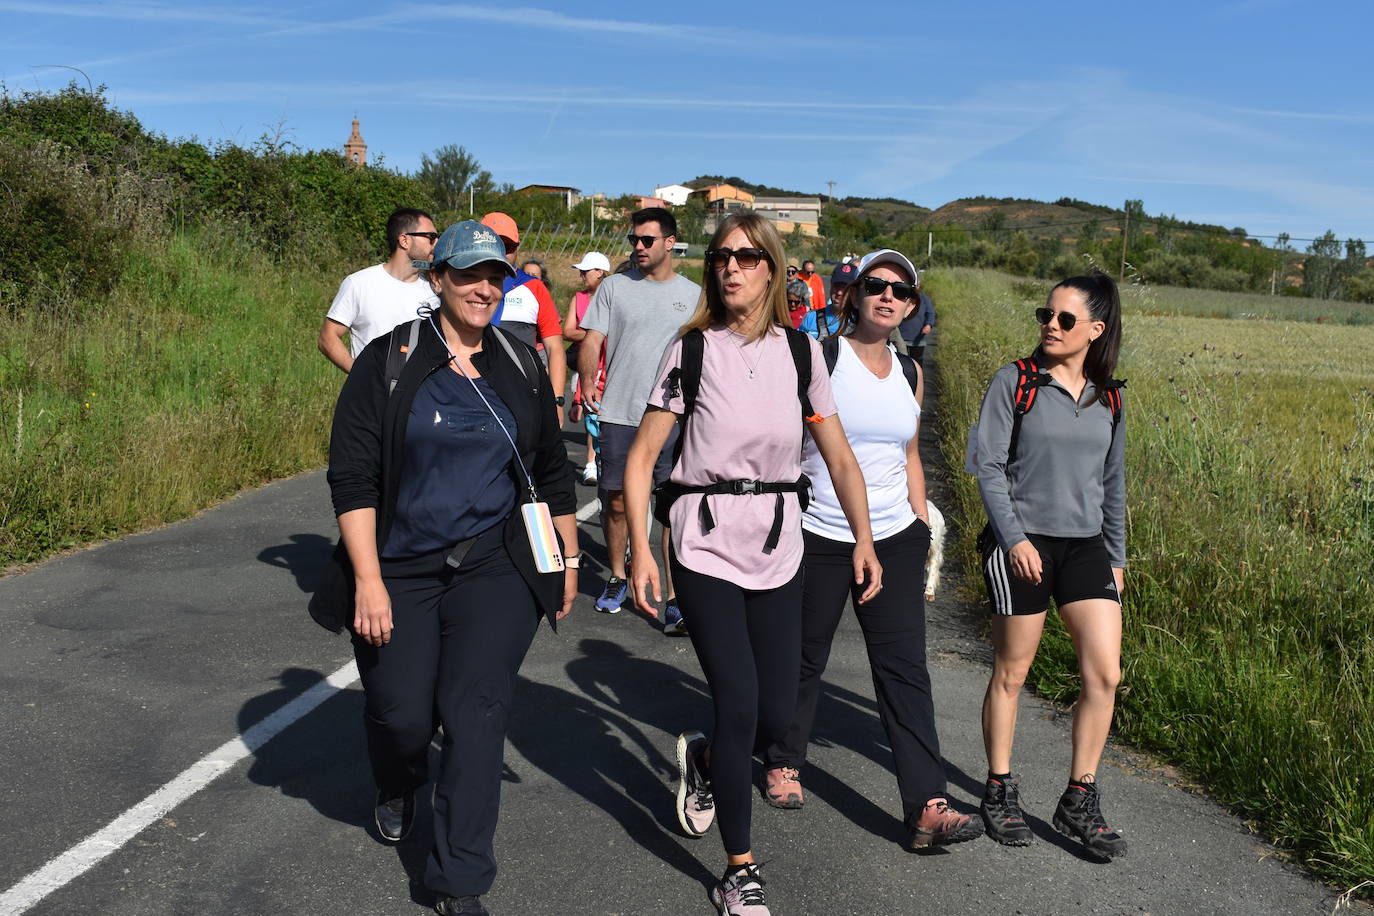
pixel 844 274
pixel 468 243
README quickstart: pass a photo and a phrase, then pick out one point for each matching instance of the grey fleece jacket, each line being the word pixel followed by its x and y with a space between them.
pixel 1069 477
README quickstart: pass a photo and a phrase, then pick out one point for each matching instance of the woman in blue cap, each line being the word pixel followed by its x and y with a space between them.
pixel 444 434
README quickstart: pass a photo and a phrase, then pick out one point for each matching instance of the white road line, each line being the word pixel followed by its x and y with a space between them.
pixel 90 851
pixel 589 510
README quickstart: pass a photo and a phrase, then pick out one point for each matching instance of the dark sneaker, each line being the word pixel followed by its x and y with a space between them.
pixel 1002 814
pixel 612 597
pixel 740 892
pixel 696 806
pixel 941 825
pixel 394 816
pixel 460 906
pixel 673 624
pixel 1079 816
pixel 782 787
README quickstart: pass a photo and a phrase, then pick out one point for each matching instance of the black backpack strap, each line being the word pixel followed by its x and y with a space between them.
pixel 830 349
pixel 908 366
pixel 686 379
pixel 399 350
pixel 800 346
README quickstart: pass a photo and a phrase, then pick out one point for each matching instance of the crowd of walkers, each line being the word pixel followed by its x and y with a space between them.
pixel 772 428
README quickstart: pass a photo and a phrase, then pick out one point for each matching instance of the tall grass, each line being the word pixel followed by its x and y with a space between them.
pixel 198 376
pixel 1249 644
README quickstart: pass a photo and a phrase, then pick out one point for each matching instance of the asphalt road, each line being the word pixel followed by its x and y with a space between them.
pixel 126 663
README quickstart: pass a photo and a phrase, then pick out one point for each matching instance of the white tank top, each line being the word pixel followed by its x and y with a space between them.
pixel 880 417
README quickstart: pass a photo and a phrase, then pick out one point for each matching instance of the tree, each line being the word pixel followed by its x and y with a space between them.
pixel 1321 272
pixel 450 173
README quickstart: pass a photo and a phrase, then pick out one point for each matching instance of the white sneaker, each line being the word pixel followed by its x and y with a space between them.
pixel 589 473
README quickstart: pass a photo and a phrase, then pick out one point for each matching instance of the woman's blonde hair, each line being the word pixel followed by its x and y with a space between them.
pixel 711 308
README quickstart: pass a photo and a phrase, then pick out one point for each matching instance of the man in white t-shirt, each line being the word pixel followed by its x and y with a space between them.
pixel 374 300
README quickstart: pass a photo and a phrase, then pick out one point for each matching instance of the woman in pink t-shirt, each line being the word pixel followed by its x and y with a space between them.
pixel 737 547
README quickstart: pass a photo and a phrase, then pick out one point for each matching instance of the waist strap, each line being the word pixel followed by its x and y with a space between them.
pixel 668 493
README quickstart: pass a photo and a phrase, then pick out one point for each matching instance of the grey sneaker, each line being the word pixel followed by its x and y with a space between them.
pixel 1079 816
pixel 696 806
pixel 740 892
pixel 1002 814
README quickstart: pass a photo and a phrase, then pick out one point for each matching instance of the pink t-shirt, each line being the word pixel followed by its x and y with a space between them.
pixel 742 428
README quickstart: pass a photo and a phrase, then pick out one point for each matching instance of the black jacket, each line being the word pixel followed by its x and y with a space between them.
pixel 367 449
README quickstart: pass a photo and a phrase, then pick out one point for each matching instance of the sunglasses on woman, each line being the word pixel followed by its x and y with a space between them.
pixel 1066 319
pixel 746 258
pixel 874 286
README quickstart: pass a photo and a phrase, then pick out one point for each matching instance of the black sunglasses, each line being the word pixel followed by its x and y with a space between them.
pixel 746 258
pixel 646 240
pixel 432 236
pixel 874 286
pixel 1066 319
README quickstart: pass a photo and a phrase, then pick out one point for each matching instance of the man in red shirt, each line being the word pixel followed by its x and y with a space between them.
pixel 813 280
pixel 528 311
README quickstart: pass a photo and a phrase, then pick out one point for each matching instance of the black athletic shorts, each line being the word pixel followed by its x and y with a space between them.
pixel 1074 569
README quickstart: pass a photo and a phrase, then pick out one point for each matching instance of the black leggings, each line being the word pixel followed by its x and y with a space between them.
pixel 749 646
pixel 894 628
pixel 459 640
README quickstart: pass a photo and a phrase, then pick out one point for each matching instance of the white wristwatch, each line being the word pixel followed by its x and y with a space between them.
pixel 573 562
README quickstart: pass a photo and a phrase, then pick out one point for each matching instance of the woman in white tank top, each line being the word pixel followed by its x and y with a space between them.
pixel 879 395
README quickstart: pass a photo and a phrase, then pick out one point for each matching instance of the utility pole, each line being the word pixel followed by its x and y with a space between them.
pixel 1125 237
pixel 831 186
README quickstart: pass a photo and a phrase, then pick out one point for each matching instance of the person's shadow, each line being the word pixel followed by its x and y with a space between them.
pixel 580 743
pixel 304 558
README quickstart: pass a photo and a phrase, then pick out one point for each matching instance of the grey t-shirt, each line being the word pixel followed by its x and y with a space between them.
pixel 640 318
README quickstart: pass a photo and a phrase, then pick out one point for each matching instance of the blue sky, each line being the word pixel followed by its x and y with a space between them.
pixel 1251 113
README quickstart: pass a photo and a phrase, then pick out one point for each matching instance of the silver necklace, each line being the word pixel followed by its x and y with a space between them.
pixel 735 337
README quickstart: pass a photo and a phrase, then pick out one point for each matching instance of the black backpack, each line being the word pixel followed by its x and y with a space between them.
pixel 686 380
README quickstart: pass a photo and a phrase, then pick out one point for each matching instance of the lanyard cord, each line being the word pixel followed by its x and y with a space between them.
pixel 453 358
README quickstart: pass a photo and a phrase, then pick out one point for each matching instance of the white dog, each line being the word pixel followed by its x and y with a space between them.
pixel 936 558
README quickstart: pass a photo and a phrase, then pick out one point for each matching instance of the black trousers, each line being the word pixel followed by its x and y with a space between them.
pixel 459 639
pixel 894 628
pixel 749 645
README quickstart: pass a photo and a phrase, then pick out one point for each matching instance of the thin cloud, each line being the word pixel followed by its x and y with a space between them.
pixel 141 12
pixel 1334 116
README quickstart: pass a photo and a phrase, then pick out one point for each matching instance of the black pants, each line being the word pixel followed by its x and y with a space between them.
pixel 749 646
pixel 459 640
pixel 894 628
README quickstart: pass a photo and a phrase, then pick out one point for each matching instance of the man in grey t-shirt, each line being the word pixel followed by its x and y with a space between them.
pixel 637 314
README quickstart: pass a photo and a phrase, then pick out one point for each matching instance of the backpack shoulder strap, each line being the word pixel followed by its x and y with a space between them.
pixel 399 350
pixel 830 349
pixel 515 356
pixel 801 358
pixel 1029 380
pixel 686 378
pixel 908 366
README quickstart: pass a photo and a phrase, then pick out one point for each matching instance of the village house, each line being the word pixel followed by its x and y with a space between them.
pixel 788 213
pixel 570 196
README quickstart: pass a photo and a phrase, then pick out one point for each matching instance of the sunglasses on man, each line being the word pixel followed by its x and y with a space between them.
pixel 432 236
pixel 646 240
pixel 874 286
pixel 746 258
pixel 1067 320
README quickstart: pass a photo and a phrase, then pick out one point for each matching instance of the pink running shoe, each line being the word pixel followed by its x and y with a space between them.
pixel 740 892
pixel 941 825
pixel 782 787
pixel 696 807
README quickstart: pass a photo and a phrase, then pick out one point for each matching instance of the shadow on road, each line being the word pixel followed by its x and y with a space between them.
pixel 304 558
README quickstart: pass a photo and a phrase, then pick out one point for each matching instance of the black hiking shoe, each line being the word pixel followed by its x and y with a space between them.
pixel 1002 814
pixel 1079 816
pixel 460 906
pixel 394 816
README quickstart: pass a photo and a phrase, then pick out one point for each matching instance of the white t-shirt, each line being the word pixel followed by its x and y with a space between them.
pixel 880 417
pixel 371 302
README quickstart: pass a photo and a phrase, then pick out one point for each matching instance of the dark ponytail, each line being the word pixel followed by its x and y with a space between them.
pixel 1104 305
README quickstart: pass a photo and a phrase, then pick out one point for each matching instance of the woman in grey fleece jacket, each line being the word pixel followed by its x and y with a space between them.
pixel 1056 505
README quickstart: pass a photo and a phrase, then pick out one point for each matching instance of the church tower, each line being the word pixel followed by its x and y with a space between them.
pixel 355 150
